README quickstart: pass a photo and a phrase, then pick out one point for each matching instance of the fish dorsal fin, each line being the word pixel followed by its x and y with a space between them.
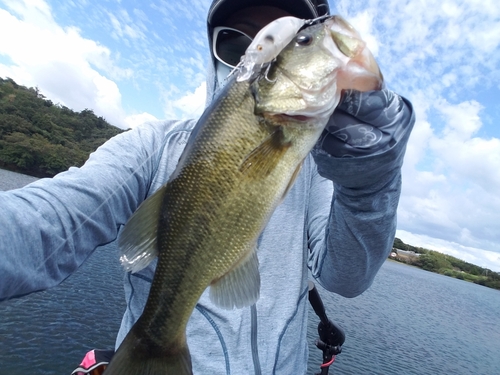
pixel 264 158
pixel 240 287
pixel 137 241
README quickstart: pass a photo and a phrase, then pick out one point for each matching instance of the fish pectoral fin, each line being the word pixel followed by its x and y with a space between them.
pixel 240 287
pixel 137 241
pixel 264 158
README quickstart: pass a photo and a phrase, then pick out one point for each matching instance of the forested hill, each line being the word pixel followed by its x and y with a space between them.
pixel 40 138
pixel 447 265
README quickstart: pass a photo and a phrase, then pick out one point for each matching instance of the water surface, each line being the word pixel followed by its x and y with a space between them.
pixel 409 322
pixel 416 322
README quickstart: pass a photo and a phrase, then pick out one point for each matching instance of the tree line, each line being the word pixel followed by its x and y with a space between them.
pixel 448 265
pixel 40 138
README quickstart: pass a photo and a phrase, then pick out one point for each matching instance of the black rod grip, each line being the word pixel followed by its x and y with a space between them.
pixel 317 303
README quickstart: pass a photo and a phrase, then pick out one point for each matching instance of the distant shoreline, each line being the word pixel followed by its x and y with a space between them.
pixel 449 273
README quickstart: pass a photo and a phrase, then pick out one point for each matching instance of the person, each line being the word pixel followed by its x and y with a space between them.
pixel 337 223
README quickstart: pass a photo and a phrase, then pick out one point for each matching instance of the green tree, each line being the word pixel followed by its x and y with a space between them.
pixel 434 261
pixel 42 139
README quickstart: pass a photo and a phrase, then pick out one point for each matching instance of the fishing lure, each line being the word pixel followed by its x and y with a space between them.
pixel 269 42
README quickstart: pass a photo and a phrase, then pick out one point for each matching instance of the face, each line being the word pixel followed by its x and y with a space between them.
pixel 249 21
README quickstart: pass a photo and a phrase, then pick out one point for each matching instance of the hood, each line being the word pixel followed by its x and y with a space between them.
pixel 221 9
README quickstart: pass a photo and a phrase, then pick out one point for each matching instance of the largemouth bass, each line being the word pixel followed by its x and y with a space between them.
pixel 242 158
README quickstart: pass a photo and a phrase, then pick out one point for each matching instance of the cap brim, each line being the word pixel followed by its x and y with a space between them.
pixel 222 9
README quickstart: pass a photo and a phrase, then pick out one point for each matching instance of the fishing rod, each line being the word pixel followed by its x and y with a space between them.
pixel 331 336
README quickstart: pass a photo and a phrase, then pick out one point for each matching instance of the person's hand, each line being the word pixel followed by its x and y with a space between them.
pixel 364 123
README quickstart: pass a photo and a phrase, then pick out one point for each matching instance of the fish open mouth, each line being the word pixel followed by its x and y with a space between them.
pixel 296 117
pixel 286 119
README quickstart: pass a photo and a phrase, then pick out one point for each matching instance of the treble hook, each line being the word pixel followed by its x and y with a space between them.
pixel 268 68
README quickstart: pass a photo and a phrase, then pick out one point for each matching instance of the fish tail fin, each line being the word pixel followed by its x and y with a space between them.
pixel 135 358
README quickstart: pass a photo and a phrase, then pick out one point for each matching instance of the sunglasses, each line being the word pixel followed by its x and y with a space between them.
pixel 229 45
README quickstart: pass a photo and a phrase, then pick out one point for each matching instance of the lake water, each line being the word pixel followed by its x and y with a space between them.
pixel 409 322
pixel 11 180
pixel 416 322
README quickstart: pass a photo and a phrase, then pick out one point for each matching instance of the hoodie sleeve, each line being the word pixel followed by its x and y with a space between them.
pixel 48 228
pixel 362 152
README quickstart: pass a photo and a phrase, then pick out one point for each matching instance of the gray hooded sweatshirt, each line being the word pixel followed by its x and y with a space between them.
pixel 337 223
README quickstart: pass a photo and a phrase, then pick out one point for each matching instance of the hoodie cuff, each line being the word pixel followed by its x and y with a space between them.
pixel 348 161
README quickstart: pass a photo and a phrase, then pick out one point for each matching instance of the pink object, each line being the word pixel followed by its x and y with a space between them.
pixel 94 362
pixel 88 360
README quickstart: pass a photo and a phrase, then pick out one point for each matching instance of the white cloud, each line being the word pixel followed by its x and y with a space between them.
pixel 191 105
pixel 440 54
pixel 124 26
pixel 450 177
pixel 462 119
pixel 140 118
pixel 60 62
pixel 35 12
pixel 420 42
pixel 422 132
pixel 363 24
pixel 468 158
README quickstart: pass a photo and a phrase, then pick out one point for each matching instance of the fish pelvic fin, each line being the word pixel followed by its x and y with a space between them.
pixel 239 287
pixel 266 156
pixel 135 358
pixel 137 241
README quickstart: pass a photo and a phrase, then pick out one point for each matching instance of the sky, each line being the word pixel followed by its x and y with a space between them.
pixel 135 61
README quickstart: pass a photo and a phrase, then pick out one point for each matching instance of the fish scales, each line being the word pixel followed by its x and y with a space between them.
pixel 206 234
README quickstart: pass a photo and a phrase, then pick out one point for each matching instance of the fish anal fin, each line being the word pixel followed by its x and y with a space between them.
pixel 137 241
pixel 240 287
pixel 264 158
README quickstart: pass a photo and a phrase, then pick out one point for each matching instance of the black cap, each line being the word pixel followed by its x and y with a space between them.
pixel 220 10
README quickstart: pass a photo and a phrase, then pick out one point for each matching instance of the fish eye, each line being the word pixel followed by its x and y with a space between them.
pixel 304 39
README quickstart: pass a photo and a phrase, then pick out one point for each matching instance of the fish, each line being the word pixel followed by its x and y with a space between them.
pixel 240 161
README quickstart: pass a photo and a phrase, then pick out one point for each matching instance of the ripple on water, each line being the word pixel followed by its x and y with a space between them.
pixel 414 322
pixel 49 332
pixel 12 180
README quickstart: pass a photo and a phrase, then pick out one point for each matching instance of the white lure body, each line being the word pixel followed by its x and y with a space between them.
pixel 268 43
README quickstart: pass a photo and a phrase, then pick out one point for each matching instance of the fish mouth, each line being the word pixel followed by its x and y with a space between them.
pixel 284 118
pixel 300 118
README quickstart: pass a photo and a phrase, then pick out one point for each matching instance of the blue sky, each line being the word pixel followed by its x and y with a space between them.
pixel 134 61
